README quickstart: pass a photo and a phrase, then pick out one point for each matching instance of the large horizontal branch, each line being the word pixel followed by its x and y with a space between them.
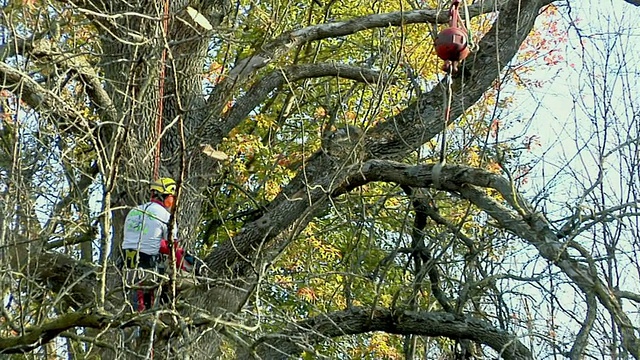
pixel 422 176
pixel 36 96
pixel 47 52
pixel 277 78
pixel 68 241
pixel 286 42
pixel 36 336
pixel 310 332
pixel 423 119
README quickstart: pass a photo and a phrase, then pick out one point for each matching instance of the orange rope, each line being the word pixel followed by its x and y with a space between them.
pixel 163 57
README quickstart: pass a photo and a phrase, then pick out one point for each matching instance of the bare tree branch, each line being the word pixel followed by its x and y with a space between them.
pixel 89 236
pixel 47 52
pixel 420 254
pixel 582 339
pixel 75 281
pixel 522 220
pixel 36 96
pixel 628 295
pixel 277 78
pixel 291 40
pixel 35 336
pixel 358 320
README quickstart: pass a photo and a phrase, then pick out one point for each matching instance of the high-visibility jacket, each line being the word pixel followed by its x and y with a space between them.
pixel 145 227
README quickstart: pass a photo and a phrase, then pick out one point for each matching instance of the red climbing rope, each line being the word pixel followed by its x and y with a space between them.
pixel 163 57
pixel 452 43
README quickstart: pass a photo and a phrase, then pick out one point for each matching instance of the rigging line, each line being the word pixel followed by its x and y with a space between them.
pixel 436 173
pixel 163 60
pixel 467 24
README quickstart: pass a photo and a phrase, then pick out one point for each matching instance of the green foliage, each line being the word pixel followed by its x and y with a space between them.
pixel 350 256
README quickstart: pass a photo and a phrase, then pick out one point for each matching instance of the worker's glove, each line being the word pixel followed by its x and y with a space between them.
pixel 165 249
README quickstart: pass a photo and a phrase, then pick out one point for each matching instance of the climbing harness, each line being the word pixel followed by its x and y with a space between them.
pixel 452 43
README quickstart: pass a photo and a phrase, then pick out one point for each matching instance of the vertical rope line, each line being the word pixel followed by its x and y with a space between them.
pixel 447 116
pixel 163 57
pixel 448 99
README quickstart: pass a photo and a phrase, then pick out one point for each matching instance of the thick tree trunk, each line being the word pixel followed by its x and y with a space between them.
pixel 133 78
pixel 133 67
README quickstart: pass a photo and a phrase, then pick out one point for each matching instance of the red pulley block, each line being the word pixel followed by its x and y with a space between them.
pixel 451 44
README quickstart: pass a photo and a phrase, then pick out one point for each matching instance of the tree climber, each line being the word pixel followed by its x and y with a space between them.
pixel 146 230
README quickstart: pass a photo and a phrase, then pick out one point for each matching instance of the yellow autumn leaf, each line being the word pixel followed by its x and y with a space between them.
pixel 213 153
pixel 320 112
pixel 307 294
